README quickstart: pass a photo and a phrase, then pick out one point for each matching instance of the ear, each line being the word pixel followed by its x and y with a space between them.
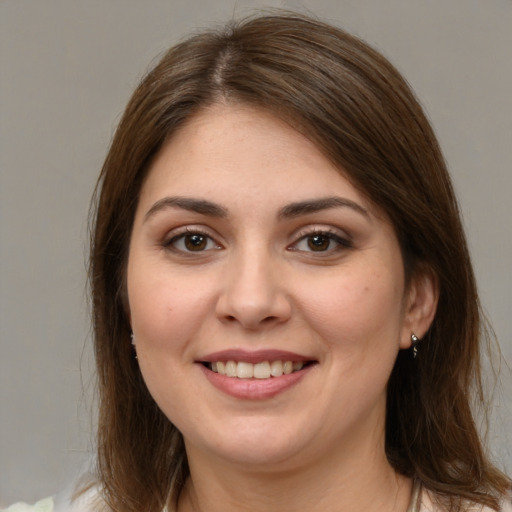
pixel 420 305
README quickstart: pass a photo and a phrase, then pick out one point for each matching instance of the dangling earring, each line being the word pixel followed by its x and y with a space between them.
pixel 132 337
pixel 414 345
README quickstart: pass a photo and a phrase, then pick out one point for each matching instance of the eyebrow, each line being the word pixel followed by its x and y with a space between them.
pixel 315 205
pixel 292 210
pixel 191 204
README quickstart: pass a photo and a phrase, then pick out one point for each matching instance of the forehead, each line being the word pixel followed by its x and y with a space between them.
pixel 241 152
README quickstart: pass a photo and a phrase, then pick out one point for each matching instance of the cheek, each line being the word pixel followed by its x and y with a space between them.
pixel 165 308
pixel 166 312
pixel 357 312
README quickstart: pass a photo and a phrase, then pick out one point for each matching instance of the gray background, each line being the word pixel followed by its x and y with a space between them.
pixel 67 68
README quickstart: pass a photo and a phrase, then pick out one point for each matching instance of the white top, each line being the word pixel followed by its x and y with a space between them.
pixel 91 501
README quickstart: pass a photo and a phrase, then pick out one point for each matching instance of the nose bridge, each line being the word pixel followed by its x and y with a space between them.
pixel 253 293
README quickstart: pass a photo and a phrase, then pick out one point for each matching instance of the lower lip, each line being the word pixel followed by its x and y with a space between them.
pixel 254 389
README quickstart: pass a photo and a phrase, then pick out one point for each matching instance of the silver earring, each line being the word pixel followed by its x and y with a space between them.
pixel 414 345
pixel 132 337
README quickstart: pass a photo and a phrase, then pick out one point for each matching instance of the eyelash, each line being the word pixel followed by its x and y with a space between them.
pixel 190 232
pixel 330 236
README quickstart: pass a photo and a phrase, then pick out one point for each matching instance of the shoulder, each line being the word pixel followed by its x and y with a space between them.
pixel 86 500
pixel 429 504
pixel 45 505
pixel 75 499
pixel 83 495
pixel 507 505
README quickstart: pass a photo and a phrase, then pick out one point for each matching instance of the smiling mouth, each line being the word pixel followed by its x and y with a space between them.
pixel 261 370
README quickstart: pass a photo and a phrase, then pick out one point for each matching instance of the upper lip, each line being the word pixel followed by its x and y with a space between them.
pixel 256 356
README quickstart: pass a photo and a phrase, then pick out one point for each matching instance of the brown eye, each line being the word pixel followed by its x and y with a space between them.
pixel 195 242
pixel 319 242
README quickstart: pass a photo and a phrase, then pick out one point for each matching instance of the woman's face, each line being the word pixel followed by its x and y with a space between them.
pixel 252 257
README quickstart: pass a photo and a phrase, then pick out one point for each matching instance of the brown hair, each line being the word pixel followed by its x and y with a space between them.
pixel 361 113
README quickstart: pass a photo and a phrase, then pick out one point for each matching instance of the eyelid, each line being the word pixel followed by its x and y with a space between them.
pixel 178 233
pixel 343 239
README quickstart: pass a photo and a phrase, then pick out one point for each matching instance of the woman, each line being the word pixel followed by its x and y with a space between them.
pixel 275 233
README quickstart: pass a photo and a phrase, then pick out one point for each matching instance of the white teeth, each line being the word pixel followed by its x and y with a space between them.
pixel 263 370
pixel 244 370
pixel 276 368
pixel 231 369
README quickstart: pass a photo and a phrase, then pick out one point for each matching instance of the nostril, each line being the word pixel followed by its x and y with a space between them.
pixel 248 324
pixel 252 311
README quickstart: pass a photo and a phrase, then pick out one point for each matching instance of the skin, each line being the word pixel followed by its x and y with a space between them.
pixel 257 283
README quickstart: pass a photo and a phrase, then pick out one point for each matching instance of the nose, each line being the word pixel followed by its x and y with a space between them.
pixel 253 293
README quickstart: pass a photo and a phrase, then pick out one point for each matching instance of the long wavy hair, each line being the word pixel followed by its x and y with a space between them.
pixel 359 111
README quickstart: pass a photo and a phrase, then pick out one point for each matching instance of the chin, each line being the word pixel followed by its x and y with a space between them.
pixel 252 445
pixel 258 456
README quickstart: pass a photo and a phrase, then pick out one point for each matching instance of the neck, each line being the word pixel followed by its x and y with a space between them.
pixel 358 481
